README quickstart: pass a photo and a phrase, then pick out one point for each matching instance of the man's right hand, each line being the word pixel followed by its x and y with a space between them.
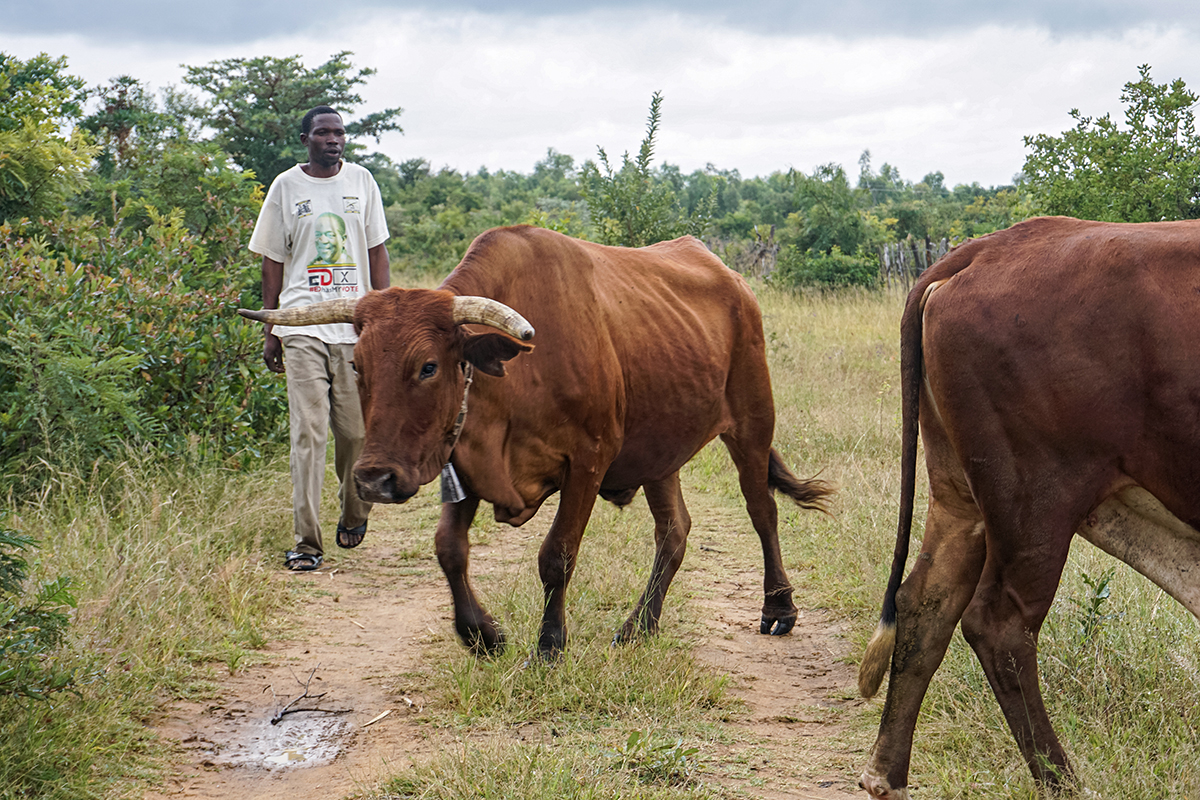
pixel 273 352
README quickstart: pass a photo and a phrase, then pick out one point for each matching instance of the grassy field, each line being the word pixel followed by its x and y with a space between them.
pixel 170 570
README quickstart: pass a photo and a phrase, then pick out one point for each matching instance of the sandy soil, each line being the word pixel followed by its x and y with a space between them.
pixel 369 611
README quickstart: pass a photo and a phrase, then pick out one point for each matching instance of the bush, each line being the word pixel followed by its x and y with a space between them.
pixel 631 206
pixel 832 270
pixel 116 336
pixel 30 630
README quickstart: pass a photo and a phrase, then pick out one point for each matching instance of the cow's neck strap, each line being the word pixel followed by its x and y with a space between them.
pixel 468 377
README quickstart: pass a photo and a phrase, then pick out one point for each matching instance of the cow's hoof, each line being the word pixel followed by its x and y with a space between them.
pixel 632 632
pixel 623 636
pixel 879 788
pixel 485 642
pixel 550 657
pixel 777 626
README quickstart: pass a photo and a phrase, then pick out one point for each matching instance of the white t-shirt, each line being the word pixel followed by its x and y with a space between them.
pixel 320 229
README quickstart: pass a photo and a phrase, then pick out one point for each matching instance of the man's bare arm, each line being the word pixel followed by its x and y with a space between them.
pixel 272 285
pixel 380 267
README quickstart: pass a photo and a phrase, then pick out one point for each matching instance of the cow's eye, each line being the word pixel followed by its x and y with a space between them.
pixel 429 370
pixel 353 368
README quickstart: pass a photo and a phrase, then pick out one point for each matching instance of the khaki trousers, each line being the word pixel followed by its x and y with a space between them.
pixel 322 394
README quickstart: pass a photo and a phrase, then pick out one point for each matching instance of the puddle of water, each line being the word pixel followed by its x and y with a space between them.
pixel 298 741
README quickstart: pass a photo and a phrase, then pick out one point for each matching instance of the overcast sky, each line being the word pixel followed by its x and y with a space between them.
pixel 924 85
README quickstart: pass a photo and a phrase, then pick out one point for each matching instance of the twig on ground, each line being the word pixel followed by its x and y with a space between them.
pixel 376 719
pixel 287 709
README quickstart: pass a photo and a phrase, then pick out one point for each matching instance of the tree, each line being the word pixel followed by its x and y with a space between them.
pixel 257 104
pixel 39 166
pixel 38 89
pixel 151 159
pixel 832 213
pixel 130 128
pixel 1149 170
pixel 631 206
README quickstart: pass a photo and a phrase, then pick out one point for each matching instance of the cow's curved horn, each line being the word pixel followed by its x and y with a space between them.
pixel 312 314
pixel 485 311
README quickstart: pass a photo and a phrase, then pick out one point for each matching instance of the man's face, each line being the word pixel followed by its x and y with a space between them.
pixel 326 141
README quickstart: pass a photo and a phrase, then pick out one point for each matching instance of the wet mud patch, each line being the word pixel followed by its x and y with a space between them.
pixel 295 742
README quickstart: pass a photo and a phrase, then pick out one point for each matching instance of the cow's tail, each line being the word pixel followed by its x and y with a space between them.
pixel 808 494
pixel 878 656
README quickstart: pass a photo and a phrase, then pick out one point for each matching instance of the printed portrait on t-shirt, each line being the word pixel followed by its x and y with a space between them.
pixel 332 270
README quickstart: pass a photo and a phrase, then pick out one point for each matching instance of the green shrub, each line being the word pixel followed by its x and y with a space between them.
pixel 63 398
pixel 31 629
pixel 117 336
pixel 832 270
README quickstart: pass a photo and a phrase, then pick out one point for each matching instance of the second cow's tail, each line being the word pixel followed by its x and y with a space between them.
pixel 878 656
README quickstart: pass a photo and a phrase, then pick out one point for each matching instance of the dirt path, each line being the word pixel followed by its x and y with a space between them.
pixel 363 637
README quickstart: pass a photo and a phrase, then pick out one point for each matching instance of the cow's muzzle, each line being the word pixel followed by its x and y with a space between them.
pixel 382 486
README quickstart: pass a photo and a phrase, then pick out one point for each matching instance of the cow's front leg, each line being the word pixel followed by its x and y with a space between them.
pixel 556 559
pixel 474 625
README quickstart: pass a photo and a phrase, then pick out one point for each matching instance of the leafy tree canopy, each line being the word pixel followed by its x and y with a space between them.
pixel 38 89
pixel 39 166
pixel 131 127
pixel 630 206
pixel 1145 171
pixel 257 103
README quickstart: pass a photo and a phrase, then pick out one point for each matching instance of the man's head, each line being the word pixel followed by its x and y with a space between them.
pixel 322 132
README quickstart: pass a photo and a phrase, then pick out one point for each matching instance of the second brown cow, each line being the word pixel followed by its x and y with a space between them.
pixel 643 357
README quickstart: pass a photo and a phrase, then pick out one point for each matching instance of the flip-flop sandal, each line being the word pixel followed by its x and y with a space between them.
pixel 301 562
pixel 350 537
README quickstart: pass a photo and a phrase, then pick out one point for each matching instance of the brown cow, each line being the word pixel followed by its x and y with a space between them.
pixel 643 357
pixel 1056 370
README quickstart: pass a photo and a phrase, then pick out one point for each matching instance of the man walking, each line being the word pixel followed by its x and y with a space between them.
pixel 321 235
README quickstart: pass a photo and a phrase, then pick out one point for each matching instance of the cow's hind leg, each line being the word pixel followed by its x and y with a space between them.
pixel 1002 623
pixel 751 453
pixel 671 526
pixel 929 604
pixel 474 625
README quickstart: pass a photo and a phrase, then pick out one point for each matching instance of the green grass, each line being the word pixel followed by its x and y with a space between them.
pixel 562 768
pixel 168 573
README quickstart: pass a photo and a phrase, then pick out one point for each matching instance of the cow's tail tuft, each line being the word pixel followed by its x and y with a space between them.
pixel 810 494
pixel 878 656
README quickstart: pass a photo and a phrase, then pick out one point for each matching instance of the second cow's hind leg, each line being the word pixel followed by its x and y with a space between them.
pixel 671 526
pixel 753 464
pixel 1002 624
pixel 930 603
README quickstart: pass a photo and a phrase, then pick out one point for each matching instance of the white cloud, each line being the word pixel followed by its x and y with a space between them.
pixel 498 90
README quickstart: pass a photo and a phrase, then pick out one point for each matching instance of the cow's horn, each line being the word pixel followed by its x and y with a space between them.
pixel 485 311
pixel 312 314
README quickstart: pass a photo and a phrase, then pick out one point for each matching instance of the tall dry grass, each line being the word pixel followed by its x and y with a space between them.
pixel 167 569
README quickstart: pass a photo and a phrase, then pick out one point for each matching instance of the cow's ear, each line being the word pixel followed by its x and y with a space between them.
pixel 487 352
